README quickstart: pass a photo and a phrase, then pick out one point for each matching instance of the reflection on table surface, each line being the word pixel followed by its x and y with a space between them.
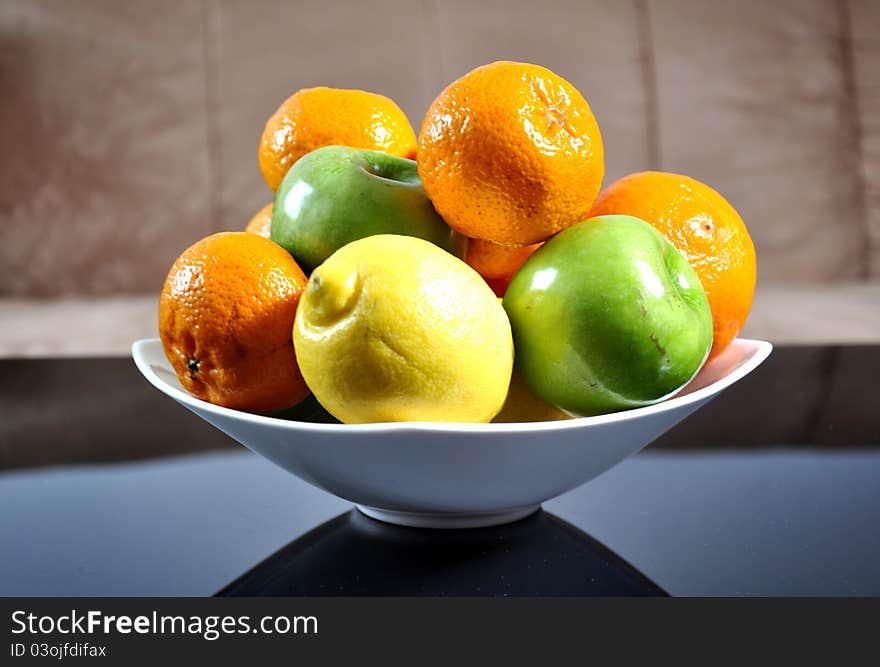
pixel 353 555
pixel 785 522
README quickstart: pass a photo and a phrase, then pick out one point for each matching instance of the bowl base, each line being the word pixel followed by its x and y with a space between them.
pixel 448 519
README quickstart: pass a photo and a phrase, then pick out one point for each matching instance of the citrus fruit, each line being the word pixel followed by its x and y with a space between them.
pixel 497 263
pixel 703 226
pixel 392 328
pixel 261 223
pixel 315 117
pixel 522 405
pixel 511 153
pixel 225 317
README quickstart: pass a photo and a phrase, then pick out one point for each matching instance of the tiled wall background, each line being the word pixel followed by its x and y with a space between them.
pixel 129 129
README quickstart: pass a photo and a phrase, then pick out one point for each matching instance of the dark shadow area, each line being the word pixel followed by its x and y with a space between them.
pixel 353 555
pixel 60 411
pixel 800 396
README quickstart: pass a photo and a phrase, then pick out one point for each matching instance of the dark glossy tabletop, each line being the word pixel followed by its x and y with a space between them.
pixel 109 488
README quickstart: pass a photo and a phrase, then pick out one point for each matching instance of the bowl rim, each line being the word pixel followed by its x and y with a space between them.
pixel 761 351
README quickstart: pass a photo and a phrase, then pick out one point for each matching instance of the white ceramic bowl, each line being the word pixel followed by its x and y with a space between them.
pixel 455 475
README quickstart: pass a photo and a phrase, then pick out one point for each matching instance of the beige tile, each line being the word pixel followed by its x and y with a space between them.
pixel 864 17
pixel 595 45
pixel 104 167
pixel 264 51
pixel 753 101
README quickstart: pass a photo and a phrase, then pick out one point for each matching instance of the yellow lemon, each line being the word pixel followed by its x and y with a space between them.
pixel 392 328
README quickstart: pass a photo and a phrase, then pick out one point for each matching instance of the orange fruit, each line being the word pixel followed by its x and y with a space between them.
pixel 511 153
pixel 315 117
pixel 497 263
pixel 261 223
pixel 226 322
pixel 703 226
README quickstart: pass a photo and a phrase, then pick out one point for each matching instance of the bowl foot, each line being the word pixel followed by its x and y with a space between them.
pixel 448 519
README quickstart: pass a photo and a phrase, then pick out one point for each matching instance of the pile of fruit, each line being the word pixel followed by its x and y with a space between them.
pixel 472 274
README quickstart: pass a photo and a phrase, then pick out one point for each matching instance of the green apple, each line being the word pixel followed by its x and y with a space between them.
pixel 336 194
pixel 607 315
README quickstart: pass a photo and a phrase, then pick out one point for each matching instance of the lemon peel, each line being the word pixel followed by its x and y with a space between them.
pixel 392 328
